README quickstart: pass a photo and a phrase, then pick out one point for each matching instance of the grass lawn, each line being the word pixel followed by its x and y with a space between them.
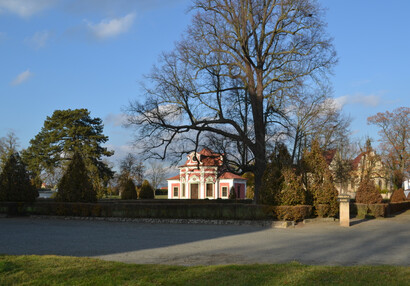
pixel 57 270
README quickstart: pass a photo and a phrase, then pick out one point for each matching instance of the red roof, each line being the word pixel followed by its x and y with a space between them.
pixel 229 175
pixel 174 178
pixel 357 160
pixel 207 158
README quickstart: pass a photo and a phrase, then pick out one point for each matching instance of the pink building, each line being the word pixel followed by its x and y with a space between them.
pixel 205 178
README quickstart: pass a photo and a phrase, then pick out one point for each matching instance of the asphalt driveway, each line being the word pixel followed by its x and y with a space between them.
pixel 375 242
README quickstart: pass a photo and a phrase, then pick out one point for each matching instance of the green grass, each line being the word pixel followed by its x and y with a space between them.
pixel 161 196
pixel 57 270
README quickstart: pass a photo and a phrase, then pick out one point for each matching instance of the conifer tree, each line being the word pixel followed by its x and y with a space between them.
pixel 75 185
pixel 15 183
pixel 128 191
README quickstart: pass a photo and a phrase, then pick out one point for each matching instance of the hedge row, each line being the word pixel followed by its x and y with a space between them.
pixel 138 210
pixel 378 210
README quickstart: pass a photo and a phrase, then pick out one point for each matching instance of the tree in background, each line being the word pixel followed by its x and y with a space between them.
pixel 394 141
pixel 63 134
pixel 157 174
pixel 76 185
pixel 146 191
pixel 232 75
pixel 128 190
pixel 131 168
pixel 15 184
pixel 9 145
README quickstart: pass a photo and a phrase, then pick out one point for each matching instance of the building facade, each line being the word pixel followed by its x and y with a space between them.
pixel 204 176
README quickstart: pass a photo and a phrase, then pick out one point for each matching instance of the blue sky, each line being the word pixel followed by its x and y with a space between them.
pixel 60 54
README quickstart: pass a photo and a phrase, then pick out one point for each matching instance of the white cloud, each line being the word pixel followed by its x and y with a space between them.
pixel 109 28
pixel 38 40
pixel 24 8
pixel 22 77
pixel 116 119
pixel 371 100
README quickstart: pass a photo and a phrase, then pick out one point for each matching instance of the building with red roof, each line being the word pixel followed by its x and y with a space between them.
pixel 204 176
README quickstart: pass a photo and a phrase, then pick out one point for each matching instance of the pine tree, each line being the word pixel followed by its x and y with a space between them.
pixel 75 185
pixel 15 183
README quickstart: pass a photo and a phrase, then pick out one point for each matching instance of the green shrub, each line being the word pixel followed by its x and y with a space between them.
pixel 371 210
pixel 326 194
pixel 75 185
pixel 129 191
pixel 272 180
pixel 398 196
pixel 15 184
pixel 232 193
pixel 146 191
pixel 367 193
pixel 293 213
pixel 293 192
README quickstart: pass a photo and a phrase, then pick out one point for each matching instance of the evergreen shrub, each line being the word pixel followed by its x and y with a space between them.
pixel 129 191
pixel 398 196
pixel 232 193
pixel 146 191
pixel 15 184
pixel 367 193
pixel 75 185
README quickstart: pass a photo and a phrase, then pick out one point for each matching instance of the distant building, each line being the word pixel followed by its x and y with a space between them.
pixel 205 176
pixel 365 164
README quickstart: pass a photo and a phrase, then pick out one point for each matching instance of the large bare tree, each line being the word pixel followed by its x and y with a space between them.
pixel 232 75
pixel 394 131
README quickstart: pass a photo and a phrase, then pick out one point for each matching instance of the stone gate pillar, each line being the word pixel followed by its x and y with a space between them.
pixel 344 210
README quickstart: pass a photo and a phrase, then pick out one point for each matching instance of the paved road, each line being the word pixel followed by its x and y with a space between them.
pixel 380 241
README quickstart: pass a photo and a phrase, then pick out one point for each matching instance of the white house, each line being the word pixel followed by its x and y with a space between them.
pixel 204 176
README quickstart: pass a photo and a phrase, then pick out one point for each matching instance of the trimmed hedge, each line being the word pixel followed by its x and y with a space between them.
pixel 369 210
pixel 293 213
pixel 138 210
pixel 398 207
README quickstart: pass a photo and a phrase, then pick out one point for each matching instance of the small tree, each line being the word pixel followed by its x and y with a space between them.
pixel 327 195
pixel 146 192
pixel 320 182
pixel 367 193
pixel 232 193
pixel 15 183
pixel 75 185
pixel 128 191
pixel 272 180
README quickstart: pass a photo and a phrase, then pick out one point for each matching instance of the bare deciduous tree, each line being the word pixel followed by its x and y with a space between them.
pixel 157 174
pixel 395 140
pixel 132 168
pixel 232 75
pixel 9 145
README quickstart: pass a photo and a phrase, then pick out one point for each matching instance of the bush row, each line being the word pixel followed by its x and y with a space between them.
pixel 136 210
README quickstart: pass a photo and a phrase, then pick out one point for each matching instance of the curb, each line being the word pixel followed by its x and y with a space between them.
pixel 261 223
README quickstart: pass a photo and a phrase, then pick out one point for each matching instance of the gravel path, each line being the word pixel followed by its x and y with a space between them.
pixel 375 242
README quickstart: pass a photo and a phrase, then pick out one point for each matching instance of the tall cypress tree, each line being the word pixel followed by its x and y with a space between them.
pixel 15 185
pixel 75 185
